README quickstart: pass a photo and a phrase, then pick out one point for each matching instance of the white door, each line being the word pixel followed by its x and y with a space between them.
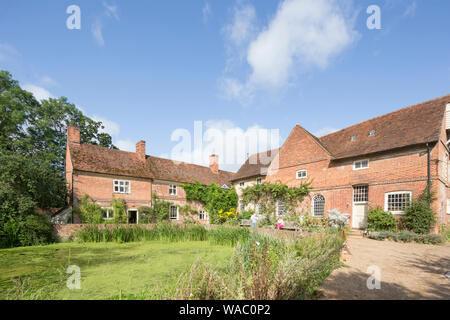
pixel 359 218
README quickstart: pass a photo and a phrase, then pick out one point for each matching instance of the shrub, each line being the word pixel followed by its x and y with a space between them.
pixel 146 215
pixel 30 230
pixel 407 236
pixel 90 213
pixel 120 211
pixel 246 214
pixel 445 231
pixel 380 220
pixel 337 219
pixel 418 217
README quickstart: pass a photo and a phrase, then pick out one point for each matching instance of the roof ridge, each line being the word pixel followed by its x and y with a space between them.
pixel 387 114
pixel 187 163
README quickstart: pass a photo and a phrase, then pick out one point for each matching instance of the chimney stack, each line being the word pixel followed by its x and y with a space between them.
pixel 140 150
pixel 73 134
pixel 214 163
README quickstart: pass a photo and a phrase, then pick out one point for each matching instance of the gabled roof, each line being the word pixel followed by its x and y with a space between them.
pixel 417 124
pixel 91 158
pixel 256 165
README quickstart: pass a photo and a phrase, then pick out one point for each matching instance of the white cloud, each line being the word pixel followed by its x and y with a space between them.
pixel 302 35
pixel 324 131
pixel 243 25
pixel 126 145
pixel 97 32
pixel 206 12
pixel 410 10
pixel 38 92
pixel 111 127
pixel 8 52
pixel 48 81
pixel 222 137
pixel 111 10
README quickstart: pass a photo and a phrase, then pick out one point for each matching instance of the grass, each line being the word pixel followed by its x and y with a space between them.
pixel 107 269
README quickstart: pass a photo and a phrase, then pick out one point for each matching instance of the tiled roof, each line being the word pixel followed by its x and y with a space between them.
pixel 98 159
pixel 417 124
pixel 256 165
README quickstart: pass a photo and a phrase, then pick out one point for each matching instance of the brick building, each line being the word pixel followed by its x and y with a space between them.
pixel 105 174
pixel 379 162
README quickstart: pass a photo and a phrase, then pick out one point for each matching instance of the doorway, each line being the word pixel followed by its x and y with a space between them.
pixel 360 206
pixel 133 216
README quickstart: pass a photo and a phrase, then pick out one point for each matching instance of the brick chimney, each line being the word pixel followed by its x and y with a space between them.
pixel 73 134
pixel 214 163
pixel 140 150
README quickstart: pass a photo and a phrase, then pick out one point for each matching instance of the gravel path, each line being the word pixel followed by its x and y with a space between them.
pixel 408 271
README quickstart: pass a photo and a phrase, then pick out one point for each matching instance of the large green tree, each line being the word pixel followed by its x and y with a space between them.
pixel 32 148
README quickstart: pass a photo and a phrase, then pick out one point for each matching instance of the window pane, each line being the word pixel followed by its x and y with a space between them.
pixel 318 205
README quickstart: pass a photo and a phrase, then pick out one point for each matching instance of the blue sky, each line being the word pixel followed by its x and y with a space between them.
pixel 148 68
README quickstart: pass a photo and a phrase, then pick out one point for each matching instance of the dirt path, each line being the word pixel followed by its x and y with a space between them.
pixel 408 271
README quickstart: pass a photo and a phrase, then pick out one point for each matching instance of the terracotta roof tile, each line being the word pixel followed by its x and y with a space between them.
pixel 98 159
pixel 256 165
pixel 413 125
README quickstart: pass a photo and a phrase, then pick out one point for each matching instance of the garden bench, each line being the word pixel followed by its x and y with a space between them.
pixel 291 226
pixel 245 223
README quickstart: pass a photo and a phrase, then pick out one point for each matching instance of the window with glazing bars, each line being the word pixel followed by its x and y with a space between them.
pixel 360 193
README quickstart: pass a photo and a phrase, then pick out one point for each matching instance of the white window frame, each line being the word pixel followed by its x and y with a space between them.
pixel 241 184
pixel 448 206
pixel 301 177
pixel 386 196
pixel 258 180
pixel 173 187
pixel 118 185
pixel 109 211
pixel 137 215
pixel 361 161
pixel 359 186
pixel 170 209
pixel 205 215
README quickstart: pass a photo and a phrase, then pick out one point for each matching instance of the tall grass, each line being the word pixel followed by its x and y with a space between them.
pixel 263 268
pixel 163 231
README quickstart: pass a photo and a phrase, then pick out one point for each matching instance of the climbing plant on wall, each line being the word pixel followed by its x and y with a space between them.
pixel 213 197
pixel 266 195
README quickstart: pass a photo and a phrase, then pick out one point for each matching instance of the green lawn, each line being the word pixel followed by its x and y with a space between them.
pixel 106 268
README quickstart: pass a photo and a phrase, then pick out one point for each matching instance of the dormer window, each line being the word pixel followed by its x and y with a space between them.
pixel 353 138
pixel 372 133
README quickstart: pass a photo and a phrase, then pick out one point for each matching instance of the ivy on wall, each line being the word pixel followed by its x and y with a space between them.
pixel 213 197
pixel 266 195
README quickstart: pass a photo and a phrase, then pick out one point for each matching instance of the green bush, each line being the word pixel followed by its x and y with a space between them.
pixel 380 220
pixel 418 217
pixel 120 211
pixel 146 215
pixel 445 231
pixel 90 213
pixel 246 214
pixel 30 230
pixel 407 236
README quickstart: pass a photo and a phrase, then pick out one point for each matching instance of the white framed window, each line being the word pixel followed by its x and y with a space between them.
pixel 318 205
pixel 360 194
pixel 301 174
pixel 121 186
pixel 397 202
pixel 108 213
pixel 361 164
pixel 241 184
pixel 448 206
pixel 173 190
pixel 203 215
pixel 281 210
pixel 258 180
pixel 173 213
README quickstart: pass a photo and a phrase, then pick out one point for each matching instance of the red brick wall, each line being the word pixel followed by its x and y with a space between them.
pixel 402 170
